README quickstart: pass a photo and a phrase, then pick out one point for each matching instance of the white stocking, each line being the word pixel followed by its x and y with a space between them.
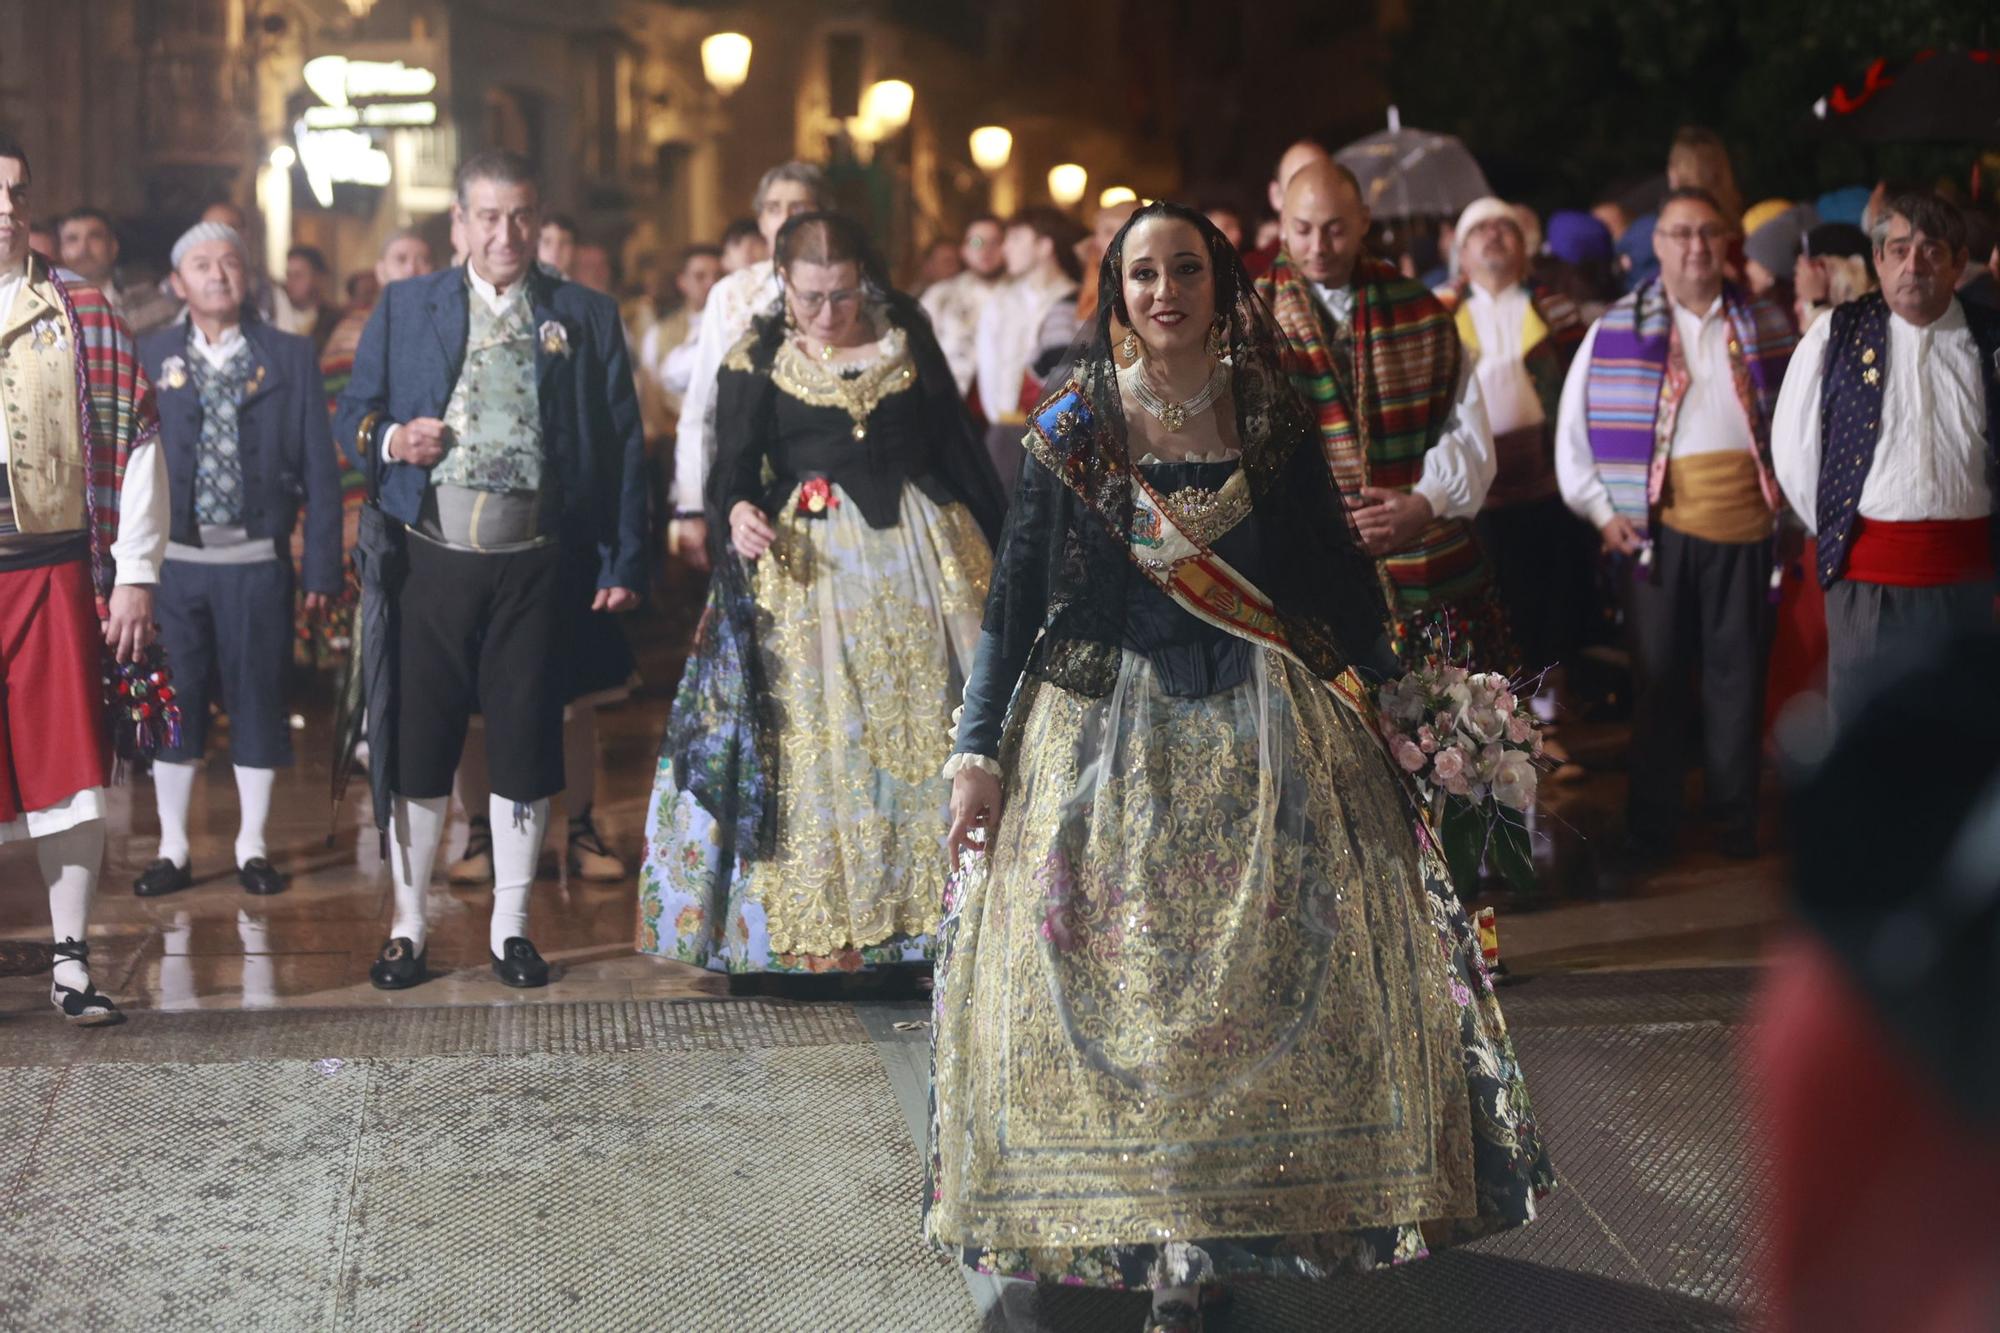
pixel 415 826
pixel 253 792
pixel 517 845
pixel 70 861
pixel 173 793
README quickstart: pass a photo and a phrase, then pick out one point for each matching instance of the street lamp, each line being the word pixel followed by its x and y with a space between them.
pixel 1116 195
pixel 725 61
pixel 1067 183
pixel 886 107
pixel 992 145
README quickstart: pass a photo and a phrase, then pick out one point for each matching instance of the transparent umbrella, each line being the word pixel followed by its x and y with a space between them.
pixel 1414 173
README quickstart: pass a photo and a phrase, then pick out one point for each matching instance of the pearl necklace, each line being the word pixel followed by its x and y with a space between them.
pixel 1174 416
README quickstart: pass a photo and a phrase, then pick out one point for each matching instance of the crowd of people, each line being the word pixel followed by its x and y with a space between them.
pixel 1087 561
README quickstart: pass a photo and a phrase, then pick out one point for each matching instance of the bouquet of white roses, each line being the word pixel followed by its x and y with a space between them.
pixel 1474 751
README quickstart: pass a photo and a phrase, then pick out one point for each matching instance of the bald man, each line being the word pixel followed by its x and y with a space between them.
pixel 1301 154
pixel 1400 414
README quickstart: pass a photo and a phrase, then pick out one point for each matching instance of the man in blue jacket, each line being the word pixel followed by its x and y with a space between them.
pixel 493 406
pixel 243 423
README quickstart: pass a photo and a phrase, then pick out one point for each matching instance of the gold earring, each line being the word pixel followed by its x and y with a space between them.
pixel 1218 346
pixel 1128 347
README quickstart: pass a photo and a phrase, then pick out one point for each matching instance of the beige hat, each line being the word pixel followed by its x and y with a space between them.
pixel 1482 210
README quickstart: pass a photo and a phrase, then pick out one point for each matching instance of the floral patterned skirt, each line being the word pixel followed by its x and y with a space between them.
pixel 1213 1007
pixel 864 639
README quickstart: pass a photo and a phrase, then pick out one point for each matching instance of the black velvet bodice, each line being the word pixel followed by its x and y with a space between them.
pixel 1191 657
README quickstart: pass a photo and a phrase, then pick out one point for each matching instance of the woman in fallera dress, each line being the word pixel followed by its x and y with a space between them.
pixel 852 509
pixel 1207 1005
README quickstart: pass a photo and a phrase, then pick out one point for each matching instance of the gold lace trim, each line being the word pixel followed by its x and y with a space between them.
pixel 821 385
pixel 1206 515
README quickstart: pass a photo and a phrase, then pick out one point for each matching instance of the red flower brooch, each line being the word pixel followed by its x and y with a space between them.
pixel 816 497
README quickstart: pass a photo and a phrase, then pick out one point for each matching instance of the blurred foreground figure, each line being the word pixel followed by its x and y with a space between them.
pixel 1878 1040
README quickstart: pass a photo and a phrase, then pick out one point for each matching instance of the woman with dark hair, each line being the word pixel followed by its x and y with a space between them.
pixel 851 515
pixel 1207 1004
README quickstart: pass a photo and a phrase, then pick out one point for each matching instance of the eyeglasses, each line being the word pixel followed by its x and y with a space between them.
pixel 811 303
pixel 1714 235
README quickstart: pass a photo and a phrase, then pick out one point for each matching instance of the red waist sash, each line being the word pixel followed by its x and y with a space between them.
pixel 1924 554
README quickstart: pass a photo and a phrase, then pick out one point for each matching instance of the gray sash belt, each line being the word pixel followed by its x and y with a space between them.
pixel 490 522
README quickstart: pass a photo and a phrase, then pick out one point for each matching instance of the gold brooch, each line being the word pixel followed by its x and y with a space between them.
pixel 1868 357
pixel 1871 377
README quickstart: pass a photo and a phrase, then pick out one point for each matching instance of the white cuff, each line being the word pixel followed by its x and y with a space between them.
pixel 1599 510
pixel 958 763
pixel 1433 493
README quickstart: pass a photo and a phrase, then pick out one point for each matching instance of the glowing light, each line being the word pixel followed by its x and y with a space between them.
pixel 886 106
pixel 1067 183
pixel 1116 195
pixel 725 61
pixel 992 145
pixel 339 156
pixel 338 81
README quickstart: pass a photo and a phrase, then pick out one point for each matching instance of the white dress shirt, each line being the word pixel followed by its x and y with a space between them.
pixel 1458 469
pixel 1018 320
pixel 137 550
pixel 955 306
pixel 1711 419
pixel 732 303
pixel 1511 401
pixel 1930 459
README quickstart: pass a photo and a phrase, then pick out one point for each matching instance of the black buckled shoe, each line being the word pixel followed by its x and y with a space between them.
pixel 399 966
pixel 259 876
pixel 162 877
pixel 519 965
pixel 86 1008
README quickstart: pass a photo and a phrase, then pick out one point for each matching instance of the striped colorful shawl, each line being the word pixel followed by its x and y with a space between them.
pixel 1380 415
pixel 116 409
pixel 1631 399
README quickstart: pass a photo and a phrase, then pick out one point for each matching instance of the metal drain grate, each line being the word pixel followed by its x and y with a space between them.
pixel 694 1189
pixel 594 1028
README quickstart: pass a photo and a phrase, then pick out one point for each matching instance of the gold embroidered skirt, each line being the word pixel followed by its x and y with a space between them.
pixel 864 637
pixel 1213 1009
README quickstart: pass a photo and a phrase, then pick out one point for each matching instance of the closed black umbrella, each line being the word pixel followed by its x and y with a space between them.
pixel 366 705
pixel 1948 97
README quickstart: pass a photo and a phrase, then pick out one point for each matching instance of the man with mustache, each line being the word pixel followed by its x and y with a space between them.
pixel 494 408
pixel 83 522
pixel 1520 335
pixel 1887 434
pixel 243 424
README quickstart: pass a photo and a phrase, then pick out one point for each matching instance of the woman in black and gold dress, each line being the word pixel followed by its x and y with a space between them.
pixel 852 510
pixel 1207 1004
